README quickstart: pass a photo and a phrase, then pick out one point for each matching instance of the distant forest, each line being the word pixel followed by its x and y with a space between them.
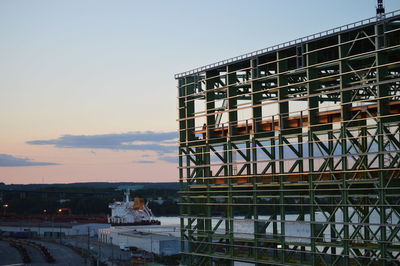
pixel 85 198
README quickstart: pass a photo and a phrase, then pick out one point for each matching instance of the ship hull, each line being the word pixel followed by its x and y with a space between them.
pixel 152 222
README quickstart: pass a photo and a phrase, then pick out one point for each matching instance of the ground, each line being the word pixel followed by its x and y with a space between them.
pixel 64 256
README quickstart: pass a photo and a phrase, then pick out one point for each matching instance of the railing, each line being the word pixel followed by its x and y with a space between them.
pixel 290 43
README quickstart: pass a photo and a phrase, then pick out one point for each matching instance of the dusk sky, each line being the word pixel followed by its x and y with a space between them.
pixel 87 87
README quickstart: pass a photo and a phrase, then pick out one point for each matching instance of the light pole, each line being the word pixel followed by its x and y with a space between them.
pixel 151 246
pixel 5 206
pixel 52 227
pixel 88 238
pixel 99 255
pixel 112 252
pixel 59 236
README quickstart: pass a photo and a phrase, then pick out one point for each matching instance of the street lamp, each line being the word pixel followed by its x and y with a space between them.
pixel 5 206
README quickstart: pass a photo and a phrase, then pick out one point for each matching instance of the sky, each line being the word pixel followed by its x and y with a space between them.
pixel 87 89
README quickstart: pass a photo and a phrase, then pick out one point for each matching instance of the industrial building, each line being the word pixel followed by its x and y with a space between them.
pixel 155 239
pixel 52 229
pixel 290 155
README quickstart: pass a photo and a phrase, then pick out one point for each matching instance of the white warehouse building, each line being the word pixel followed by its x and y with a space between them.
pixel 163 244
pixel 44 229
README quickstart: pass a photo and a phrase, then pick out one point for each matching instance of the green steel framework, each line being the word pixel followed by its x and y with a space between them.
pixel 291 155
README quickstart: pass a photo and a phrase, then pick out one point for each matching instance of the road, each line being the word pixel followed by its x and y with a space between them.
pixel 63 255
pixel 35 255
pixel 8 255
pixel 108 253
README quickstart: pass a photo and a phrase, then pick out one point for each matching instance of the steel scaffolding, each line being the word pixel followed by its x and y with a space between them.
pixel 290 155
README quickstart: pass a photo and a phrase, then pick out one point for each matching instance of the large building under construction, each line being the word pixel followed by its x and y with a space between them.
pixel 290 155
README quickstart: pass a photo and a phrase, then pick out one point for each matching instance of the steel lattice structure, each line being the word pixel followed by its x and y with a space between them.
pixel 291 155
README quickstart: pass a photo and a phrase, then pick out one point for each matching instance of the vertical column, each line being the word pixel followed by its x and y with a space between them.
pixel 301 177
pixel 228 208
pixel 311 189
pixel 312 86
pixel 248 161
pixel 182 143
pixel 190 124
pixel 256 96
pixel 208 181
pixel 382 91
pixel 283 114
pixel 274 199
pixel 381 193
pixel 211 77
pixel 312 102
pixel 334 236
pixel 190 212
pixel 381 72
pixel 255 201
pixel 181 207
pixel 182 110
pixel 230 216
pixel 282 197
pixel 232 99
pixel 345 79
pixel 345 116
pixel 282 92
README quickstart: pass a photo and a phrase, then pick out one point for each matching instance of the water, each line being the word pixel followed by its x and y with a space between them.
pixel 169 220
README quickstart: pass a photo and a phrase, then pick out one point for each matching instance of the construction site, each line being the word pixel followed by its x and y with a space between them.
pixel 290 155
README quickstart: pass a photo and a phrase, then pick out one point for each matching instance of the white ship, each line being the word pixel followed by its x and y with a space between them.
pixel 131 212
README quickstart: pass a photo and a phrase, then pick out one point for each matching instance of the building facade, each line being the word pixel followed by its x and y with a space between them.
pixel 290 155
pixel 157 240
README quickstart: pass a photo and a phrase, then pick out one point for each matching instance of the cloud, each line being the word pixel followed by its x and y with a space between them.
pixel 144 162
pixel 160 142
pixel 7 160
pixel 169 159
pixel 164 158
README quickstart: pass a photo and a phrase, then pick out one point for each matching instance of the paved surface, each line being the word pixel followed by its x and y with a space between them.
pixel 9 255
pixel 106 252
pixel 35 255
pixel 63 255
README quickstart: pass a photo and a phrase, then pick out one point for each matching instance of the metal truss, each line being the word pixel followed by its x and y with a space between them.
pixel 291 156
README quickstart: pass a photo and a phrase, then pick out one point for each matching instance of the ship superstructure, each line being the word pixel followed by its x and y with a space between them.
pixel 128 212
